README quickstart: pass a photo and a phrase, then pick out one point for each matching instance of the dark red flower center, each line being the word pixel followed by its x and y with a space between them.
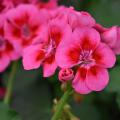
pixel 86 59
pixel 25 30
pixel 51 48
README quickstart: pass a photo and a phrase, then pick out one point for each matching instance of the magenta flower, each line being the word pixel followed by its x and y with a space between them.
pixel 112 38
pixel 23 26
pixel 8 51
pixel 66 75
pixel 91 57
pixel 74 18
pixel 43 52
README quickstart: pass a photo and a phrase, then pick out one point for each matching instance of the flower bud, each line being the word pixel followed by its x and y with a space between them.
pixel 66 75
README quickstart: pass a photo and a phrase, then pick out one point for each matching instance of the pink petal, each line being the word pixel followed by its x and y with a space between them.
pixel 14 55
pixel 59 30
pixel 79 82
pixel 85 19
pixel 116 48
pixel 97 78
pixel 49 66
pixel 33 57
pixel 35 17
pixel 104 56
pixel 12 50
pixel 67 55
pixel 87 38
pixel 110 36
pixel 4 62
pixel 100 28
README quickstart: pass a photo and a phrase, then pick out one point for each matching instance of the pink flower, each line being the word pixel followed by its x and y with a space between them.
pixel 111 37
pixel 8 51
pixel 100 28
pixel 23 26
pixel 91 56
pixel 74 18
pixel 43 52
pixel 66 75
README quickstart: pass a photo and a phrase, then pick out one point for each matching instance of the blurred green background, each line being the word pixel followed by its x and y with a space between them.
pixel 33 95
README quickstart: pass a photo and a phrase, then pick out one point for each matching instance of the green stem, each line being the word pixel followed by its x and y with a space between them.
pixel 61 104
pixel 10 83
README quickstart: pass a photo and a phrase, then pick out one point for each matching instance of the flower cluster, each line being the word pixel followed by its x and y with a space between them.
pixel 58 37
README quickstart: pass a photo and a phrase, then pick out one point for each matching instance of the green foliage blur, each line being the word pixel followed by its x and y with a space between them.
pixel 33 95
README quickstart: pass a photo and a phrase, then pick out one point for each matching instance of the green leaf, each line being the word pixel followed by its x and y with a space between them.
pixel 114 84
pixel 7 113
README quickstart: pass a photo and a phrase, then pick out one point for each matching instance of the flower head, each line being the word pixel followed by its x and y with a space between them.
pixel 43 52
pixel 74 18
pixel 91 57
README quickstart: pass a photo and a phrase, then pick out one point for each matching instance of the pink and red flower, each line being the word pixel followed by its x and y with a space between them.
pixel 23 26
pixel 43 52
pixel 110 36
pixel 8 51
pixel 74 18
pixel 90 55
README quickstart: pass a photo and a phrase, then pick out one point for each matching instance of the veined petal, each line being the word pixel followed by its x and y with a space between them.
pixel 104 56
pixel 110 36
pixel 49 66
pixel 67 55
pixel 116 48
pixel 4 62
pixel 79 82
pixel 59 31
pixel 97 78
pixel 85 19
pixel 87 38
pixel 33 57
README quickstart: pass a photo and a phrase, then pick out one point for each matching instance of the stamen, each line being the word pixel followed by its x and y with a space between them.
pixel 86 59
pixel 25 31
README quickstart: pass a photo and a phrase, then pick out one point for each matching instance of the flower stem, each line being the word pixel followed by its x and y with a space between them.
pixel 10 83
pixel 61 104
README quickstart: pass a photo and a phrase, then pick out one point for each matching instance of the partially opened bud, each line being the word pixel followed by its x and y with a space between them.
pixel 66 75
